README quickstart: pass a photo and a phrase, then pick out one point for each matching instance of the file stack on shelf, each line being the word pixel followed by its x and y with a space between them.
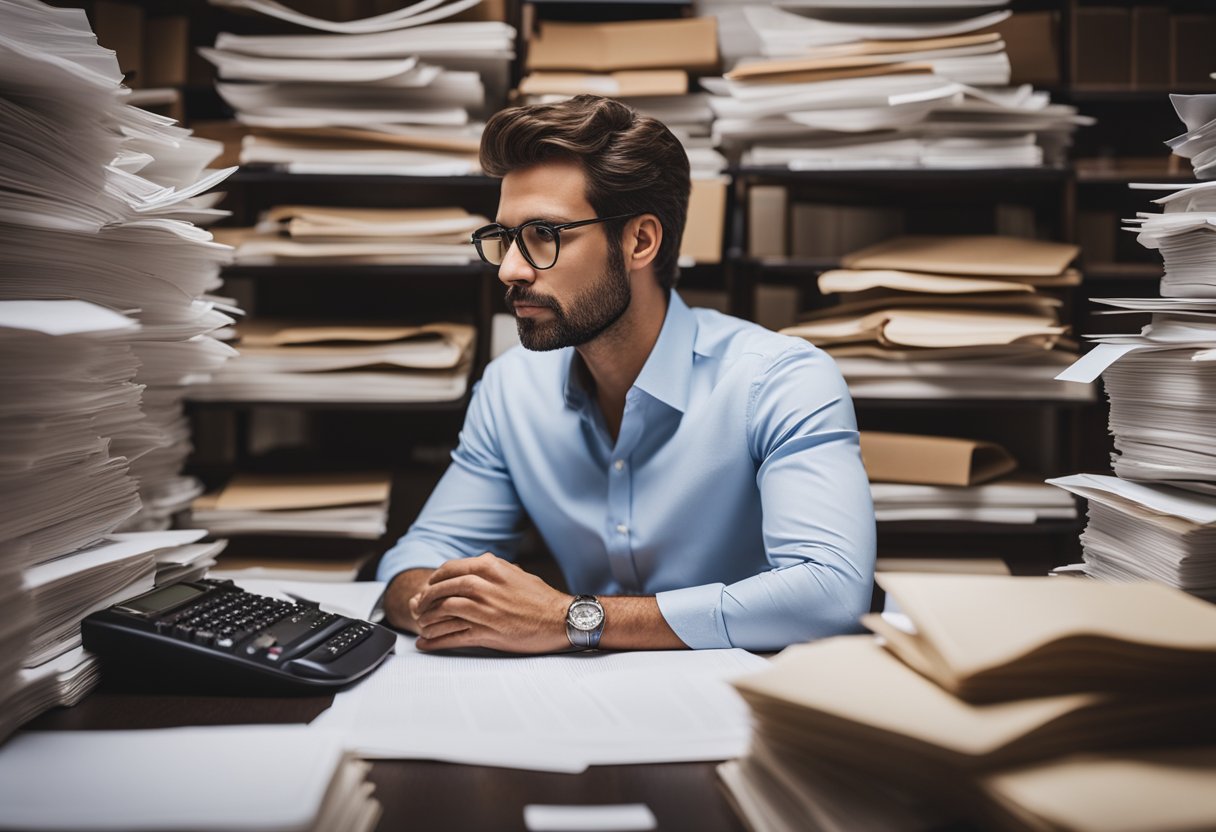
pixel 1155 518
pixel 271 778
pixel 1005 703
pixel 300 361
pixel 936 478
pixel 327 236
pixel 396 94
pixel 846 85
pixel 949 317
pixel 252 509
pixel 100 201
pixel 318 505
pixel 646 64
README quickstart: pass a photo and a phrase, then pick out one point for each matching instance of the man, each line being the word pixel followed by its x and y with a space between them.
pixel 699 474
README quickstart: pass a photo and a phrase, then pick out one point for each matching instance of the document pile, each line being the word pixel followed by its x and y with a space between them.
pixel 70 422
pixel 847 85
pixel 311 362
pixel 1008 703
pixel 314 505
pixel 645 63
pixel 395 94
pixel 100 201
pixel 924 478
pixel 1161 383
pixel 307 235
pixel 268 778
pixel 948 317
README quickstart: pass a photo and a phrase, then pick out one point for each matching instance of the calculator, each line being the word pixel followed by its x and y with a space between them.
pixel 215 631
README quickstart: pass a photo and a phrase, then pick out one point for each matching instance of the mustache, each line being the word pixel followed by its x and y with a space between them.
pixel 517 294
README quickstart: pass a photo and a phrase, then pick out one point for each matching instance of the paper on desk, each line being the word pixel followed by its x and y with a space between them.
pixel 549 713
pixel 624 817
pixel 269 777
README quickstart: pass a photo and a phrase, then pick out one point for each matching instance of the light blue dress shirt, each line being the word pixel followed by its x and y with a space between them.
pixel 734 492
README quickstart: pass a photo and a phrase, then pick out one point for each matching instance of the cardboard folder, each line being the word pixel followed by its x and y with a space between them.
pixel 988 638
pixel 932 460
pixel 273 492
pixel 687 43
pixel 635 83
pixel 974 255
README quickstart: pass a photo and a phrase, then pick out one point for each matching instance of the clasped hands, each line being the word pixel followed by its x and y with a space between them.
pixel 489 602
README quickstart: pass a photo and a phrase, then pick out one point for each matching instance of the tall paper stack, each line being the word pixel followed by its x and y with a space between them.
pixel 98 218
pixel 847 86
pixel 1003 705
pixel 948 317
pixel 1161 383
pixel 395 94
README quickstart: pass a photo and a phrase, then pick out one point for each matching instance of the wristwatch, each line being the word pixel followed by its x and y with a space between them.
pixel 585 622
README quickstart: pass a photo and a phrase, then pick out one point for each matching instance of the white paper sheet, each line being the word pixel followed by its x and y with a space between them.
pixel 624 817
pixel 549 713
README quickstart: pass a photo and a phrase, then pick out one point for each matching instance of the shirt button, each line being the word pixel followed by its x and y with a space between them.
pixel 619 465
pixel 622 528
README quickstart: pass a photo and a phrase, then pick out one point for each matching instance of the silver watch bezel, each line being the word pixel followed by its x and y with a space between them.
pixel 585 601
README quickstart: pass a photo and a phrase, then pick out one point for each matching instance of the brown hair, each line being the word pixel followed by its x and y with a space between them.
pixel 633 164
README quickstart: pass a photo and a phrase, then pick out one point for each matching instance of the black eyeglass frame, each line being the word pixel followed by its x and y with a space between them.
pixel 513 236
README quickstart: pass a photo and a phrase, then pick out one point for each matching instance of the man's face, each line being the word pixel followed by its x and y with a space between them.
pixel 587 290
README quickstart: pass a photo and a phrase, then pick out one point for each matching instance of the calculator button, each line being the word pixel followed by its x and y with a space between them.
pixel 204 637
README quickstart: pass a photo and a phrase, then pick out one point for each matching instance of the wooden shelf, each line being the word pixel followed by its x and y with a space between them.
pixel 453 406
pixel 969 527
pixel 979 177
pixel 387 271
pixel 1123 271
pixel 259 175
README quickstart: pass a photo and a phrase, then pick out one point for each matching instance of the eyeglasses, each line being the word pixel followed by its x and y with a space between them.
pixel 539 240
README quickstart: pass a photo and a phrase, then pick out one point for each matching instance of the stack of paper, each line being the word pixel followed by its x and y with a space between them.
pixel 918 478
pixel 315 505
pixel 997 680
pixel 270 778
pixel 1139 531
pixel 645 63
pixel 1198 143
pixel 821 90
pixel 1160 383
pixel 299 361
pixel 948 317
pixel 318 235
pixel 99 204
pixel 396 94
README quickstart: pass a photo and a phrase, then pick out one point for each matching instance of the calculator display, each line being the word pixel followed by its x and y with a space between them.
pixel 151 603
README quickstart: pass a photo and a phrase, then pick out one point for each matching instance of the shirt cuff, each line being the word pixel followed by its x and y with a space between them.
pixel 408 555
pixel 695 614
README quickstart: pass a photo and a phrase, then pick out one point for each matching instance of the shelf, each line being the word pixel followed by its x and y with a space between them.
pixel 967 176
pixel 254 175
pixel 1123 271
pixel 284 270
pixel 454 406
pixel 1123 171
pixel 954 403
pixel 970 527
pixel 1121 94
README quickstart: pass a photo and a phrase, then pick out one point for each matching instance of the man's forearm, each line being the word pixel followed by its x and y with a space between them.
pixel 636 624
pixel 404 586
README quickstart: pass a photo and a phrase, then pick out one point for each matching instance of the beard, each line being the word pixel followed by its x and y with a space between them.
pixel 582 319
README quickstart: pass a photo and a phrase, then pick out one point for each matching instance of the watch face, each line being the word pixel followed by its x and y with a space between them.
pixel 585 615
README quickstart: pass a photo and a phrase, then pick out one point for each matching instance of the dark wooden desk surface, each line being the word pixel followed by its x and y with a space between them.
pixel 418 795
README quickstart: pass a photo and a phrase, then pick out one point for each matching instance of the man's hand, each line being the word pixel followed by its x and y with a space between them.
pixel 488 602
pixel 404 586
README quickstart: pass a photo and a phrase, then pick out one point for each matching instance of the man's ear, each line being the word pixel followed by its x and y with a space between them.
pixel 643 236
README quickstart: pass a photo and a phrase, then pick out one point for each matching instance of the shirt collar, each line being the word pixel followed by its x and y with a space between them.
pixel 667 373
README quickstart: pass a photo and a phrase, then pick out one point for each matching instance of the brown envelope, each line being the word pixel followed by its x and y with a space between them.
pixel 932 460
pixel 631 83
pixel 270 492
pixel 687 43
pixel 702 239
pixel 974 255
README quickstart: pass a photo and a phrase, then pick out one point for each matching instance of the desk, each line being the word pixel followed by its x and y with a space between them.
pixel 425 795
